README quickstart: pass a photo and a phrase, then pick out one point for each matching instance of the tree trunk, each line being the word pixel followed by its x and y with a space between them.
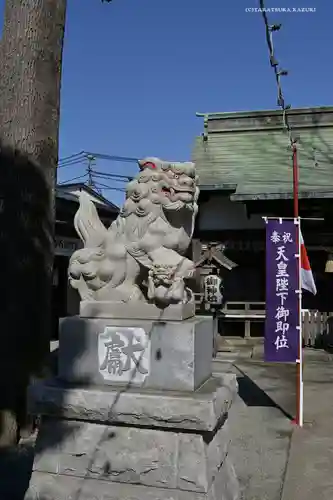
pixel 30 74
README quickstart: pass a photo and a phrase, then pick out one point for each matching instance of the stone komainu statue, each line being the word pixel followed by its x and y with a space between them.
pixel 140 257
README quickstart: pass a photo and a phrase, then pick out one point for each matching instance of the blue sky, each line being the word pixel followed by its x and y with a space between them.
pixel 136 71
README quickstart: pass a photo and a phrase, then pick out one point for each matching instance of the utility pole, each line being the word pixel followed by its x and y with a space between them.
pixel 91 163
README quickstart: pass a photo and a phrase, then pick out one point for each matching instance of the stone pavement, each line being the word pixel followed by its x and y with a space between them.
pixel 309 474
pixel 308 471
pixel 261 436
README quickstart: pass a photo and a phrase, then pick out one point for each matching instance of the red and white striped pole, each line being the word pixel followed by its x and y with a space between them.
pixel 299 362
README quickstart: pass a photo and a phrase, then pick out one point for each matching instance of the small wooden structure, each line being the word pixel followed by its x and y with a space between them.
pixel 207 257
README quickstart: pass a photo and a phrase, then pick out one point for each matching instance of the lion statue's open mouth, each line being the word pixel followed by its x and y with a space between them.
pixel 184 194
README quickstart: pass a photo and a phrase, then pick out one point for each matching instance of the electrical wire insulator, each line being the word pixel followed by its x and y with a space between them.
pixel 278 72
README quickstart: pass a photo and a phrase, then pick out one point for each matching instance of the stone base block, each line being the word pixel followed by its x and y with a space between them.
pixel 131 455
pixel 198 412
pixel 61 487
pixel 97 443
pixel 171 355
pixel 137 311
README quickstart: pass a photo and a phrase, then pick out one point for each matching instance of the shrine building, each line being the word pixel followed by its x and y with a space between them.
pixel 244 163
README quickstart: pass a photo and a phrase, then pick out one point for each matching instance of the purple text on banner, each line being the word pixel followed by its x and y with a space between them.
pixel 282 299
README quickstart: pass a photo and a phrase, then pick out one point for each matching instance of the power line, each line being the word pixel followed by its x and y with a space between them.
pixel 83 155
pixel 72 159
pixel 278 72
pixel 106 187
pixel 71 156
pixel 92 176
pixel 72 163
pixel 71 180
pixel 124 178
pixel 101 156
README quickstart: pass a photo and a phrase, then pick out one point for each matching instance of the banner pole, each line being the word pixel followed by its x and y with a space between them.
pixel 299 364
pixel 300 405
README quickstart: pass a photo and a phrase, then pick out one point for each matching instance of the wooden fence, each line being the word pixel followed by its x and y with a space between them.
pixel 315 327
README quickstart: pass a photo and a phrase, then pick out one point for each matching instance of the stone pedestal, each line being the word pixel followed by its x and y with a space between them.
pixel 148 423
pixel 173 355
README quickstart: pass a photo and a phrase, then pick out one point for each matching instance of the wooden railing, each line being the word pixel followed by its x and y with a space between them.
pixel 244 311
pixel 315 328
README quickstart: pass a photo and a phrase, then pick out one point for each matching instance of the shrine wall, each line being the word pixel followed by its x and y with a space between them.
pixel 220 213
pixel 223 221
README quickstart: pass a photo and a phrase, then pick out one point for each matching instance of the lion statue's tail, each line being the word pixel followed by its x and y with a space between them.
pixel 88 224
pixel 103 262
